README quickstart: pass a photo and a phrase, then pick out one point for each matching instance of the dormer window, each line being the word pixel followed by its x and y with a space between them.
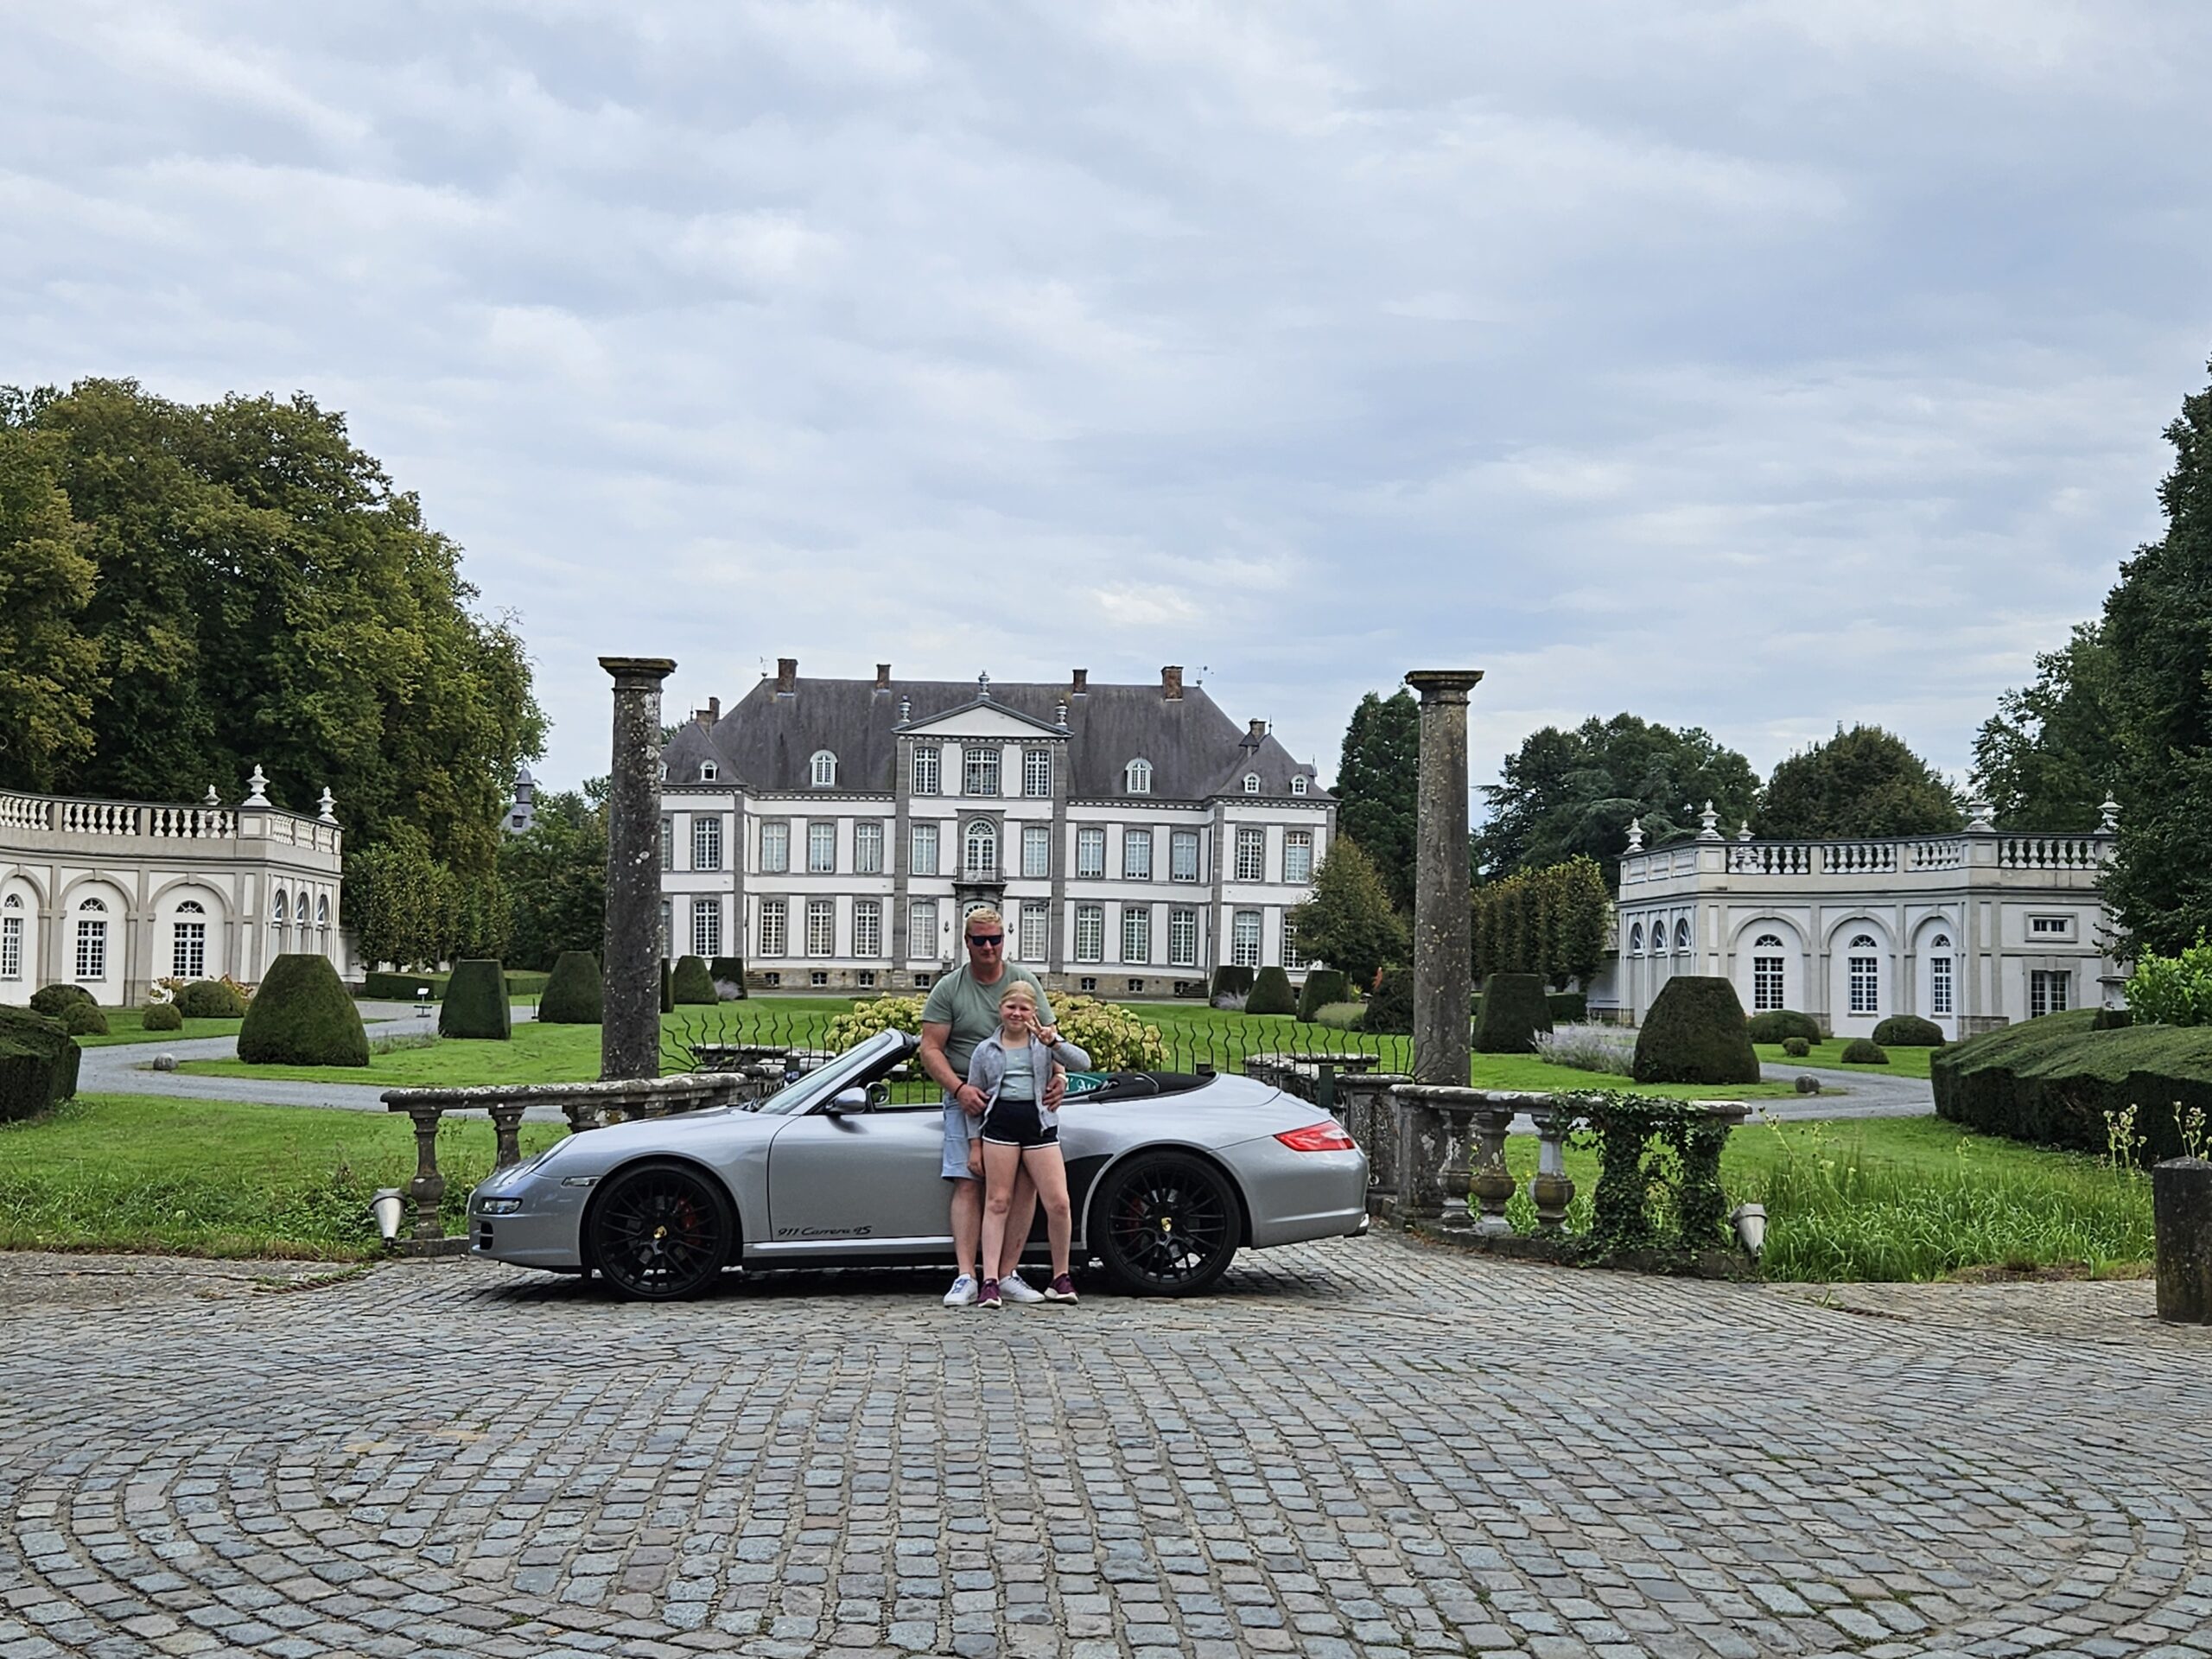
pixel 1251 783
pixel 1298 785
pixel 708 772
pixel 823 769
pixel 1136 778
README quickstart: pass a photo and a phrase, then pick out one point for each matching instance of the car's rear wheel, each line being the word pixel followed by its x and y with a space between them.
pixel 659 1231
pixel 1165 1224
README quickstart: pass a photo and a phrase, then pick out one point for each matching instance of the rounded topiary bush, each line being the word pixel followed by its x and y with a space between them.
pixel 1779 1025
pixel 1514 1009
pixel 571 996
pixel 161 1016
pixel 53 1000
pixel 1909 1031
pixel 1796 1047
pixel 729 975
pixel 1230 981
pixel 84 1019
pixel 1323 986
pixel 693 983
pixel 1271 992
pixel 1390 1007
pixel 38 1064
pixel 475 1004
pixel 302 1016
pixel 1861 1051
pixel 210 999
pixel 1695 1032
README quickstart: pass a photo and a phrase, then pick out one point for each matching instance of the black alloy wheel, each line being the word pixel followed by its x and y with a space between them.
pixel 1165 1224
pixel 660 1231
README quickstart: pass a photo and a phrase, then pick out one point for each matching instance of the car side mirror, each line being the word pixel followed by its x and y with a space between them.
pixel 846 1100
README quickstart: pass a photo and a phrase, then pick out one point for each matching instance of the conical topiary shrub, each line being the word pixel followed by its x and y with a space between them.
pixel 693 983
pixel 1696 1033
pixel 1271 992
pixel 729 975
pixel 571 996
pixel 1514 1009
pixel 1323 986
pixel 475 1004
pixel 667 987
pixel 1390 1005
pixel 38 1064
pixel 301 1016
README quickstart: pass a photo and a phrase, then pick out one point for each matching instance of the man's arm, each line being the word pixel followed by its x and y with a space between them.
pixel 935 1062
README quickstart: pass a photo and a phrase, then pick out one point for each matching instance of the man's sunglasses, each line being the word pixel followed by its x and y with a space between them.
pixel 992 939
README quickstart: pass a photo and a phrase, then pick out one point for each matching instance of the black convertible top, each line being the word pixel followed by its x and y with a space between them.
pixel 1131 1085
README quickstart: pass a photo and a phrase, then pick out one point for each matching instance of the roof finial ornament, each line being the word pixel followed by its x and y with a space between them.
pixel 1744 834
pixel 905 709
pixel 327 816
pixel 1978 810
pixel 1710 821
pixel 984 685
pixel 213 799
pixel 2108 824
pixel 257 788
pixel 1060 714
pixel 1636 834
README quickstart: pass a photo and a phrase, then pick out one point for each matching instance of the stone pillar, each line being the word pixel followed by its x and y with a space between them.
pixel 1442 971
pixel 629 1032
pixel 2181 1209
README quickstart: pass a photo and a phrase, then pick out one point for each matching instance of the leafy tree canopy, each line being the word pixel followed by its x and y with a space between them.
pixel 1378 778
pixel 555 877
pixel 206 587
pixel 1348 921
pixel 1861 782
pixel 2158 628
pixel 2046 758
pixel 1565 794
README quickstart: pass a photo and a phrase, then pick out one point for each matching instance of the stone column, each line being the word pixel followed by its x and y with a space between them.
pixel 2181 1205
pixel 629 1032
pixel 1442 972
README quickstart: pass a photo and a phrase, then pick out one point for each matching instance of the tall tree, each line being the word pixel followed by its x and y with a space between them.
pixel 262 594
pixel 49 671
pixel 1378 778
pixel 1348 921
pixel 555 875
pixel 1565 794
pixel 1549 921
pixel 1861 782
pixel 2158 627
pixel 2046 759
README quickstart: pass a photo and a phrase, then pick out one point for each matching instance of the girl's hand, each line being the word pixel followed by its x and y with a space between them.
pixel 1048 1034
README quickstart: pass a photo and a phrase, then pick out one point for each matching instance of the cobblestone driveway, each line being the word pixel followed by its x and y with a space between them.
pixel 1364 1447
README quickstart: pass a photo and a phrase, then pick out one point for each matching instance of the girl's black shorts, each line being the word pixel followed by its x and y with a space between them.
pixel 1016 1124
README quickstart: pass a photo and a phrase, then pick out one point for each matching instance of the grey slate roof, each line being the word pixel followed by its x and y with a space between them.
pixel 768 741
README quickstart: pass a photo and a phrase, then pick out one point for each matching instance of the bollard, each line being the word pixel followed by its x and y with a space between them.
pixel 2181 1211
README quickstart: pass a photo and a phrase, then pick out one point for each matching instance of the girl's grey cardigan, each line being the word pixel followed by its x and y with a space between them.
pixel 986 1071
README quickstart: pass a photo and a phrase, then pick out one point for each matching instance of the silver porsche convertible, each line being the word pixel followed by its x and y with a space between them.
pixel 1170 1175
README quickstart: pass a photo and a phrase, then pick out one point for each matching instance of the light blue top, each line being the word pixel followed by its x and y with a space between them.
pixel 1020 1082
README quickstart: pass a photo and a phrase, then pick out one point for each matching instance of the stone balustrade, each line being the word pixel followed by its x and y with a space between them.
pixel 585 1106
pixel 67 817
pixel 1902 856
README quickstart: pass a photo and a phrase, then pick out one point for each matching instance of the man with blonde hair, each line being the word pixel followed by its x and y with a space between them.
pixel 961 1010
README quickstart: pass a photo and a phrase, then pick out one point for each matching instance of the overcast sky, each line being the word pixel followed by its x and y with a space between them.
pixel 1753 365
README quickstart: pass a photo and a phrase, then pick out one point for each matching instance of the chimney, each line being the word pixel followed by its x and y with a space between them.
pixel 1170 683
pixel 1256 730
pixel 1080 685
pixel 883 677
pixel 708 715
pixel 787 677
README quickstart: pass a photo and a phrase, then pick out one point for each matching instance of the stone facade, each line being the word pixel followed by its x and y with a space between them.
pixel 113 895
pixel 1972 930
pixel 834 832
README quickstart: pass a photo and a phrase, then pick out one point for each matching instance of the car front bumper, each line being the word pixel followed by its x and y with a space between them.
pixel 545 1228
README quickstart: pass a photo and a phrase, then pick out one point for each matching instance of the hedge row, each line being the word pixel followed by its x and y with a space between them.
pixel 2052 1081
pixel 402 988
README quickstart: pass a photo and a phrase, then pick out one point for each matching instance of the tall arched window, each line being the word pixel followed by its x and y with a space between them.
pixel 1940 993
pixel 279 913
pixel 1635 940
pixel 11 938
pixel 1863 967
pixel 92 939
pixel 322 912
pixel 1136 778
pixel 823 769
pixel 1767 990
pixel 1681 936
pixel 188 941
pixel 982 845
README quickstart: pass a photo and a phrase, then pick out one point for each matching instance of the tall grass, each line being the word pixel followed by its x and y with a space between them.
pixel 1609 1049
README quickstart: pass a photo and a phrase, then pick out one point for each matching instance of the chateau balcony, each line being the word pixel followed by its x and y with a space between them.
pixel 68 826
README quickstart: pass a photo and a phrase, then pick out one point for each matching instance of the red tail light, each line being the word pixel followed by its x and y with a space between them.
pixel 1319 1137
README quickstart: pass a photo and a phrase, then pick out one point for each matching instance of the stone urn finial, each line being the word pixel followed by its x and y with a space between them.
pixel 1978 818
pixel 2108 824
pixel 1711 820
pixel 213 799
pixel 1744 834
pixel 1636 834
pixel 329 801
pixel 983 685
pixel 256 789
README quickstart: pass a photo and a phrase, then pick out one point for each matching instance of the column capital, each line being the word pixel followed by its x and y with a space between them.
pixel 639 673
pixel 1443 684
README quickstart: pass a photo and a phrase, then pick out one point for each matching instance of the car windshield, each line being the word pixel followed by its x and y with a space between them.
pixel 862 1065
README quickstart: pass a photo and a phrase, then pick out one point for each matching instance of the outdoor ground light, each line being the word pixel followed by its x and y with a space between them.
pixel 1751 1226
pixel 386 1207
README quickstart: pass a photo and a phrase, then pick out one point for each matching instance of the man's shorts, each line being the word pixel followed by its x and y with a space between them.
pixel 959 1130
pixel 1018 1123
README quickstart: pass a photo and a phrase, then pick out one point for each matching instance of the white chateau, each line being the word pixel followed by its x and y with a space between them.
pixel 113 895
pixel 834 833
pixel 1972 930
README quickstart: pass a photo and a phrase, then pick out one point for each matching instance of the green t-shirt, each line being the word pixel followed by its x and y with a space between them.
pixel 972 1010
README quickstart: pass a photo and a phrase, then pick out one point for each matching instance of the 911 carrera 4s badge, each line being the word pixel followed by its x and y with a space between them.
pixel 825 1232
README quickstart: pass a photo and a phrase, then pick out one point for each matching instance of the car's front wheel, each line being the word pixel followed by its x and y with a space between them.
pixel 1165 1224
pixel 658 1231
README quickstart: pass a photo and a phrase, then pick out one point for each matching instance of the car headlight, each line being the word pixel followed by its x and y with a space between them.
pixel 497 1207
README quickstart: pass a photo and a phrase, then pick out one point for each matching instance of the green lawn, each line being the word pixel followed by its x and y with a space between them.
pixel 1828 1057
pixel 126 1026
pixel 203 1178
